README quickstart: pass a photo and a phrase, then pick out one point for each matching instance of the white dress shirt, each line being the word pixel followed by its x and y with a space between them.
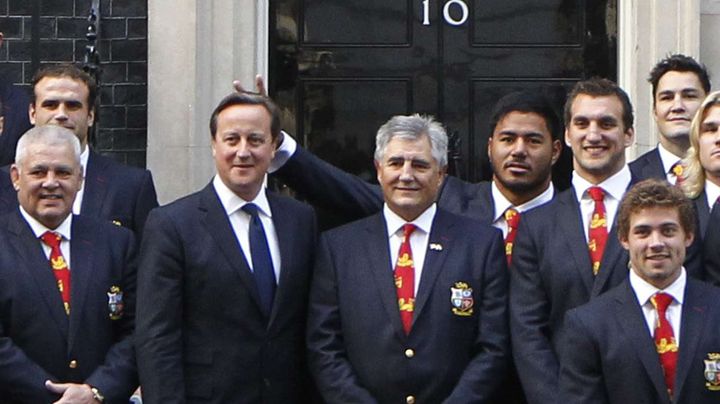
pixel 79 197
pixel 644 291
pixel 502 204
pixel 240 222
pixel 283 153
pixel 615 187
pixel 668 160
pixel 418 239
pixel 63 229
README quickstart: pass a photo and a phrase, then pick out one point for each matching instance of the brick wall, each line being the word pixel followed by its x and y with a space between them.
pixel 122 125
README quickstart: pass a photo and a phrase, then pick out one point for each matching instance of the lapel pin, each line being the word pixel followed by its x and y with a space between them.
pixel 436 247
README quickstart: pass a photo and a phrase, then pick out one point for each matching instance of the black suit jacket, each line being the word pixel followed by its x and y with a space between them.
pixel 358 349
pixel 201 335
pixel 113 191
pixel 711 244
pixel 327 186
pixel 16 103
pixel 38 340
pixel 608 355
pixel 649 165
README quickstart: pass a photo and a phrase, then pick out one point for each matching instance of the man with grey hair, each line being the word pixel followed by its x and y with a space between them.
pixel 68 285
pixel 430 286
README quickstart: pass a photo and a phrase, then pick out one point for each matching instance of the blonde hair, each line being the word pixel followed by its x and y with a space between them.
pixel 694 173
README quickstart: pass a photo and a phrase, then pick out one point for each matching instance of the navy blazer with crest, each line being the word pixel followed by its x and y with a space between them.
pixel 201 334
pixel 608 355
pixel 358 351
pixel 38 341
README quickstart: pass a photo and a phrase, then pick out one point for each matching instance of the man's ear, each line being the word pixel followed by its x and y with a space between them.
pixel 557 149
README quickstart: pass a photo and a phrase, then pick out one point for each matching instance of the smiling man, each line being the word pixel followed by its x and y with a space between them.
pixel 411 290
pixel 222 295
pixel 651 339
pixel 679 84
pixel 67 299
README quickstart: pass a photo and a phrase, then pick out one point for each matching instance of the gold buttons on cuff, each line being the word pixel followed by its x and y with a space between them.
pixel 72 364
pixel 410 399
pixel 409 353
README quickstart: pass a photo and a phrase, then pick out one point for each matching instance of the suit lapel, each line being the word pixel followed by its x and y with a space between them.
pixel 96 186
pixel 569 217
pixel 434 259
pixel 218 225
pixel 654 167
pixel 377 252
pixel 482 206
pixel 81 258
pixel 703 212
pixel 632 321
pixel 694 321
pixel 609 264
pixel 38 267
pixel 282 221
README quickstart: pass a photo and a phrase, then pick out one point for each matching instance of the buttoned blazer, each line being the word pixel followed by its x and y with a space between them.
pixel 358 351
pixel 113 192
pixel 352 198
pixel 38 340
pixel 201 335
pixel 608 354
pixel 648 165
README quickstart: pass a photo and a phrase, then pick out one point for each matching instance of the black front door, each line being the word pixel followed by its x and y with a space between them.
pixel 340 68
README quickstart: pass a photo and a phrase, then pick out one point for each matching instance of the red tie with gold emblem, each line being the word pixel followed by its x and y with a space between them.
pixel 59 266
pixel 512 218
pixel 677 169
pixel 665 343
pixel 598 233
pixel 405 279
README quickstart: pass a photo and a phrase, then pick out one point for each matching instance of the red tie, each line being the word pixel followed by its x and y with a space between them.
pixel 405 279
pixel 677 169
pixel 512 218
pixel 665 343
pixel 598 232
pixel 59 266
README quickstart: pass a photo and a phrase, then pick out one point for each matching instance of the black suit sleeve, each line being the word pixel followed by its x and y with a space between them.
pixel 534 356
pixel 581 375
pixel 329 187
pixel 491 353
pixel 158 333
pixel 117 377
pixel 146 201
pixel 328 359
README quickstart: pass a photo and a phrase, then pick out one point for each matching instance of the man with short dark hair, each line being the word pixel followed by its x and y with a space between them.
pixel 64 95
pixel 408 305
pixel 222 293
pixel 651 339
pixel 679 84
pixel 67 301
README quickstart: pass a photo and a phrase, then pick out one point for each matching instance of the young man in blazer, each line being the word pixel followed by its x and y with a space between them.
pixel 409 305
pixel 224 279
pixel 652 339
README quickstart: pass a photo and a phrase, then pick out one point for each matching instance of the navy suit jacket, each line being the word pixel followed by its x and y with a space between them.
pixel 649 165
pixel 38 340
pixel 711 245
pixel 608 355
pixel 16 102
pixel 201 335
pixel 329 187
pixel 358 350
pixel 113 191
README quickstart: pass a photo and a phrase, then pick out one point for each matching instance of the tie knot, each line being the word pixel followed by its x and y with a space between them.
pixel 596 193
pixel 661 301
pixel 251 209
pixel 51 238
pixel 512 217
pixel 408 229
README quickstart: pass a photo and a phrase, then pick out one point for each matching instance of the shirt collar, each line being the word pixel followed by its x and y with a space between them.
pixel 712 192
pixel 502 204
pixel 39 229
pixel 667 158
pixel 644 290
pixel 395 222
pixel 84 159
pixel 231 202
pixel 615 185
